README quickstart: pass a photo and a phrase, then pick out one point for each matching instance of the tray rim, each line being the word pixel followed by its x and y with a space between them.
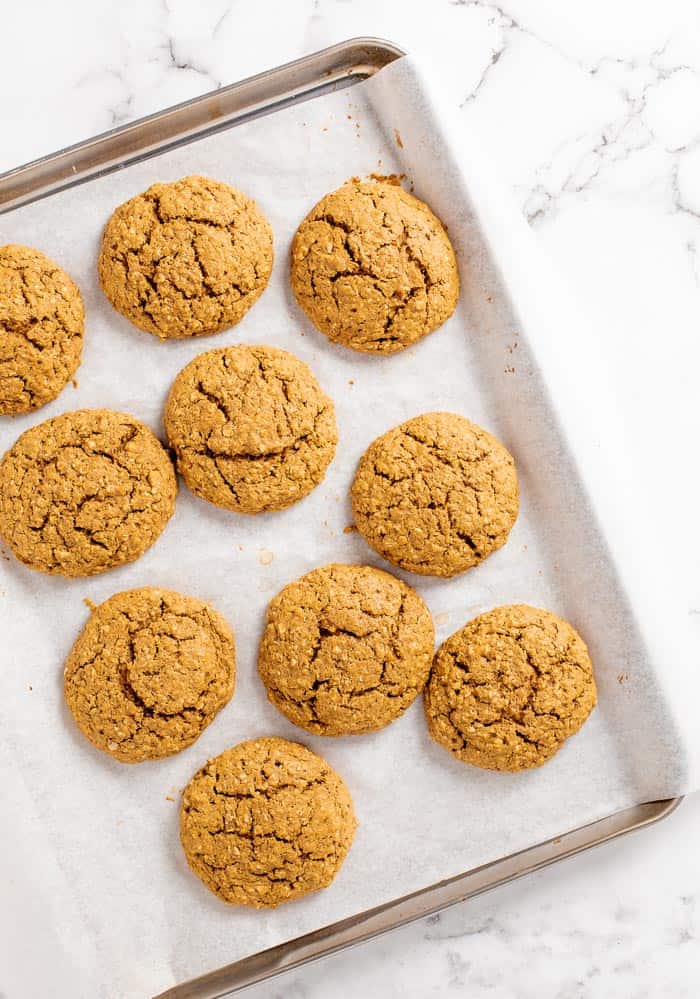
pixel 273 89
pixel 354 930
pixel 336 66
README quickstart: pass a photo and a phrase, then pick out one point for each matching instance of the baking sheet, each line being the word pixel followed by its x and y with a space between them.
pixel 98 901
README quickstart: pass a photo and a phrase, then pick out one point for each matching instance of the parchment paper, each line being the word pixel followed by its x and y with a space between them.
pixel 97 898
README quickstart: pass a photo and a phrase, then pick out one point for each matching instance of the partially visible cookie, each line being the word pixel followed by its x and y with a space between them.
pixel 436 494
pixel 41 329
pixel 149 672
pixel 373 268
pixel 266 822
pixel 346 649
pixel 509 688
pixel 186 258
pixel 251 428
pixel 84 492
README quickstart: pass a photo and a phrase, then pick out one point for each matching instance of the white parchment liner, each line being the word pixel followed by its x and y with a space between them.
pixel 97 899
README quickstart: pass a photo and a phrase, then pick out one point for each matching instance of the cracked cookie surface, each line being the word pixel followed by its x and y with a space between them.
pixel 149 672
pixel 435 495
pixel 509 688
pixel 266 822
pixel 251 428
pixel 346 649
pixel 42 321
pixel 84 492
pixel 373 268
pixel 187 258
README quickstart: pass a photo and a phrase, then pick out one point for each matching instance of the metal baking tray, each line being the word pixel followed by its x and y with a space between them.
pixel 337 67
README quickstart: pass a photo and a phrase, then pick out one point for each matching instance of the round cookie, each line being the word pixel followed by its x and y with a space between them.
pixel 435 495
pixel 41 329
pixel 148 673
pixel 266 822
pixel 346 649
pixel 251 428
pixel 509 688
pixel 186 258
pixel 373 268
pixel 84 492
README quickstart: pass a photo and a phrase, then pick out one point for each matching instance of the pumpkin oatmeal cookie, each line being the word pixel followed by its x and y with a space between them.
pixel 41 329
pixel 509 688
pixel 346 649
pixel 435 495
pixel 251 428
pixel 84 492
pixel 266 822
pixel 186 258
pixel 373 268
pixel 149 672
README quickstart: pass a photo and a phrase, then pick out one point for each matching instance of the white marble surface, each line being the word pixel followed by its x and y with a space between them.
pixel 591 112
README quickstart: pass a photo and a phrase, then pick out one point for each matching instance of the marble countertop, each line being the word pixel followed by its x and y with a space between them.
pixel 591 113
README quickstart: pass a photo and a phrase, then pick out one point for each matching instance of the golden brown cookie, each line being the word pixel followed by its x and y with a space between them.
pixel 41 329
pixel 346 649
pixel 435 495
pixel 373 268
pixel 148 673
pixel 251 428
pixel 266 822
pixel 509 688
pixel 186 258
pixel 84 492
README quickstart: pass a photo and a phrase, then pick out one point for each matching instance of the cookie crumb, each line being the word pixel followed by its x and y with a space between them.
pixel 399 140
pixel 169 797
pixel 441 619
pixel 266 556
pixel 388 178
pixel 89 604
pixel 350 529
